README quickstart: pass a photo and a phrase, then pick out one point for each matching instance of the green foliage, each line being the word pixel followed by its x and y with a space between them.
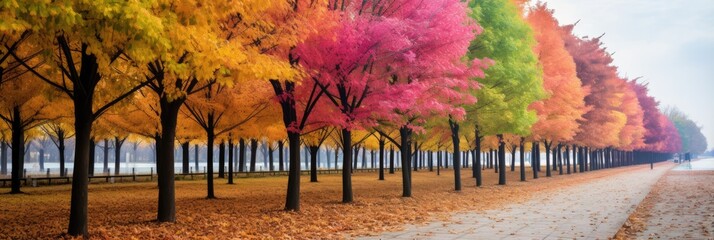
pixel 515 80
pixel 693 141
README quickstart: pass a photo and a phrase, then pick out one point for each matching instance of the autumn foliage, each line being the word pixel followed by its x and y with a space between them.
pixel 333 76
pixel 559 113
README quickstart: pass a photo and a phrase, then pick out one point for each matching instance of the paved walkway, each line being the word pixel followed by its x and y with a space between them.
pixel 593 210
pixel 683 206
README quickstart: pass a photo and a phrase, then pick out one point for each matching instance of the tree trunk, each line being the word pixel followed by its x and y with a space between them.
pixel 185 157
pixel 438 163
pixel 241 155
pixel 347 196
pixel 292 201
pixel 3 158
pixel 230 160
pixel 547 158
pixel 221 159
pixel 106 156
pixel 523 159
pixel 165 162
pixel 534 159
pixel 271 160
pixel 567 159
pixel 560 159
pixel 477 161
pixel 513 158
pixel 60 149
pixel 381 159
pixel 18 150
pixel 92 156
pixel 430 158
pixel 355 160
pixel 83 120
pixel 575 158
pixel 210 137
pixel 581 159
pixel 405 134
pixel 41 158
pixel 313 162
pixel 413 157
pixel 457 153
pixel 117 154
pixel 501 160
pixel 281 166
pixel 391 159
pixel 253 153
pixel 555 157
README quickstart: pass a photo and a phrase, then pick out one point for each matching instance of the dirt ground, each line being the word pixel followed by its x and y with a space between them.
pixel 680 206
pixel 252 208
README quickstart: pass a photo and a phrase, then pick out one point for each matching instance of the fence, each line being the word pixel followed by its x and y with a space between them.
pixel 47 179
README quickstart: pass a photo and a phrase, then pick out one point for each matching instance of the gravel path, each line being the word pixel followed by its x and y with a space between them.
pixel 593 210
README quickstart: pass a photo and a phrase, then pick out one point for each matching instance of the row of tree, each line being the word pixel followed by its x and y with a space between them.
pixel 408 74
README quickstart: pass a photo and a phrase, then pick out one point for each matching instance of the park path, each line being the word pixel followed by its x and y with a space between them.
pixel 592 210
pixel 682 205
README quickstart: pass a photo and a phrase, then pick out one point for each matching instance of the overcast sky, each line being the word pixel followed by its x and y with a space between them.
pixel 669 43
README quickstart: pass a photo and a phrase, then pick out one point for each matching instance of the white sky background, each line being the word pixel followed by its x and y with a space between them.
pixel 669 43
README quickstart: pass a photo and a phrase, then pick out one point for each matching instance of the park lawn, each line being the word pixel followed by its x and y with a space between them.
pixel 252 208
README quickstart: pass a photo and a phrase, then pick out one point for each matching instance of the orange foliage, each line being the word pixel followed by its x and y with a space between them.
pixel 632 135
pixel 565 105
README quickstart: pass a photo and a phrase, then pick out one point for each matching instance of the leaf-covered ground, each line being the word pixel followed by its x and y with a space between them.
pixel 252 208
pixel 680 206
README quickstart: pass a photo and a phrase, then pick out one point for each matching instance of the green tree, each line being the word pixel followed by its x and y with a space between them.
pixel 693 141
pixel 511 84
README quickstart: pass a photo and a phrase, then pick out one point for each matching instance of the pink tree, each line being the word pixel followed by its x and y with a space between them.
pixel 660 135
pixel 384 62
pixel 671 142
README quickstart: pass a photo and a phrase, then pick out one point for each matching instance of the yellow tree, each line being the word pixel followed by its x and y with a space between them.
pixel 23 106
pixel 82 41
pixel 220 109
pixel 209 43
pixel 60 128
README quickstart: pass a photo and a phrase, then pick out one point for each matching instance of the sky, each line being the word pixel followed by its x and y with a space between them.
pixel 670 44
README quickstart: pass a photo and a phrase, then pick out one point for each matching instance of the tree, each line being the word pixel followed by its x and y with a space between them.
pixel 23 106
pixel 604 122
pixel 693 141
pixel 210 43
pixel 632 134
pixel 512 83
pixel 59 131
pixel 301 20
pixel 378 53
pixel 672 141
pixel 314 140
pixel 650 114
pixel 221 109
pixel 82 41
pixel 559 113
